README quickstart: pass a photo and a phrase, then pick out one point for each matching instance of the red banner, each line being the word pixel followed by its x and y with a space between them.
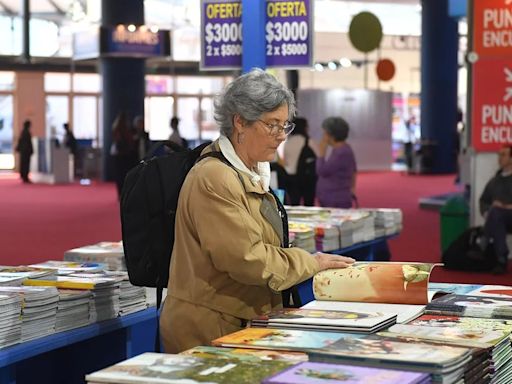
pixel 492 27
pixel 492 104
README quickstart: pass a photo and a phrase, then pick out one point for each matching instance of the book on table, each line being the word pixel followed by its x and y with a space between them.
pixel 315 373
pixel 489 337
pixel 246 353
pixel 389 288
pixel 491 307
pixel 173 369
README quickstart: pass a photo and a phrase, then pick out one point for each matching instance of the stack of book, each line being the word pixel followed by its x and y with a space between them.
pixel 110 253
pixel 73 309
pixel 131 298
pixel 302 236
pixel 68 267
pixel 39 310
pixel 10 319
pixel 104 302
pixel 445 364
pixel 388 221
pixel 328 320
pixel 166 368
pixel 489 338
pixel 224 366
pixel 14 275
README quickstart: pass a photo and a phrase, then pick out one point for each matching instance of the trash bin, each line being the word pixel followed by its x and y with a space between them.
pixel 454 220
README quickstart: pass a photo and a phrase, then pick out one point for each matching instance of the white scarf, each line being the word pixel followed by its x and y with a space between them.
pixel 262 174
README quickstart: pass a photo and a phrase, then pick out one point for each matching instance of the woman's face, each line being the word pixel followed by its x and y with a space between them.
pixel 259 143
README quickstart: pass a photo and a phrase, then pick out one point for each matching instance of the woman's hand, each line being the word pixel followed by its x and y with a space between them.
pixel 322 146
pixel 328 261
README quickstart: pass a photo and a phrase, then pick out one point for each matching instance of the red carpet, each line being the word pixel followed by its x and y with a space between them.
pixel 40 222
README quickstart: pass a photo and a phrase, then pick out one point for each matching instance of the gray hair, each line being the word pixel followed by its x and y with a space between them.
pixel 336 127
pixel 249 96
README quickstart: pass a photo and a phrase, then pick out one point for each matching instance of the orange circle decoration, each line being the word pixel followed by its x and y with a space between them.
pixel 385 69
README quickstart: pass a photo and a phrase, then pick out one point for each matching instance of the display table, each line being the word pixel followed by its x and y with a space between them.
pixel 373 250
pixel 66 357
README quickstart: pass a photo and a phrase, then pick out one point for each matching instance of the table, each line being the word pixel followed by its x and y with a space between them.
pixel 372 250
pixel 66 357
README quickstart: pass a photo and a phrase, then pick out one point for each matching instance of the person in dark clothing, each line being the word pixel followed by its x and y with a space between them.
pixel 496 207
pixel 142 140
pixel 301 180
pixel 123 149
pixel 69 140
pixel 25 148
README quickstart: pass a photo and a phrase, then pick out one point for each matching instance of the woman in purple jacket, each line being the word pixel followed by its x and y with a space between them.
pixel 337 173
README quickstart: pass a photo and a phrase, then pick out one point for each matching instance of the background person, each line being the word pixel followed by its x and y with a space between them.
pixel 123 149
pixel 25 149
pixel 142 141
pixel 301 177
pixel 175 136
pixel 230 260
pixel 337 174
pixel 496 207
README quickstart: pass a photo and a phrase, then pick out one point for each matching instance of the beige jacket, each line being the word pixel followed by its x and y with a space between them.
pixel 227 263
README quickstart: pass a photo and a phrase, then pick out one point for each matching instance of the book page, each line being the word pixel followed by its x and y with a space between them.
pixel 375 282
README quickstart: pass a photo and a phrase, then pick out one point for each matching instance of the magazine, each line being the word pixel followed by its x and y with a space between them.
pixel 375 282
pixel 471 306
pixel 316 373
pixel 174 369
pixel 323 319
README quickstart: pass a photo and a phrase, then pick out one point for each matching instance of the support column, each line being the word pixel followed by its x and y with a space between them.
pixel 439 67
pixel 123 83
pixel 253 33
pixel 25 53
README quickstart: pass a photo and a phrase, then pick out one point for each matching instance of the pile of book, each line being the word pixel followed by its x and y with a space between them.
pixel 73 309
pixel 335 228
pixel 38 310
pixel 224 365
pixel 10 319
pixel 110 253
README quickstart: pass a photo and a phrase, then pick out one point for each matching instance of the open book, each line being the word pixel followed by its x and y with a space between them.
pixel 399 288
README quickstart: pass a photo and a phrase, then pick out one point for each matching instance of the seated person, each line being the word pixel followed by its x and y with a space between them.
pixel 496 207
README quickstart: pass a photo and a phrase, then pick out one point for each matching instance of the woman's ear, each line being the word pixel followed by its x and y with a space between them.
pixel 238 123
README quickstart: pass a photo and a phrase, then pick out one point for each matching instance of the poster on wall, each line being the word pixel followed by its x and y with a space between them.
pixel 221 34
pixel 288 34
pixel 492 104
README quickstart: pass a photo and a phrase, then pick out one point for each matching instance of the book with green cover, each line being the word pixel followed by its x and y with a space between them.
pixel 177 369
pixel 246 354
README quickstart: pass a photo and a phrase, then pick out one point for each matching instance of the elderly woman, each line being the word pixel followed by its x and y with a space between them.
pixel 229 262
pixel 336 175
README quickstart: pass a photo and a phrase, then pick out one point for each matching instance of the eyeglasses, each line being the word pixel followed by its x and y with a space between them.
pixel 276 129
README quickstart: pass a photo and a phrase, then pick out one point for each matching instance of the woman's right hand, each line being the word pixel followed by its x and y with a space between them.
pixel 329 261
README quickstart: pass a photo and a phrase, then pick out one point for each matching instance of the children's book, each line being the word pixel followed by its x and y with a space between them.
pixel 375 282
pixel 246 354
pixel 322 319
pixel 179 369
pixel 320 373
pixel 445 288
pixel 70 282
pixel 471 306
pixel 279 339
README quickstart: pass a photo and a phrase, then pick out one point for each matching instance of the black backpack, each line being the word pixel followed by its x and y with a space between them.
pixel 149 199
pixel 471 251
pixel 306 165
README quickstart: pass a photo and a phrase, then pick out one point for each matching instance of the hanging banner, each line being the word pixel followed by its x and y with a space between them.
pixel 492 27
pixel 221 34
pixel 492 104
pixel 289 33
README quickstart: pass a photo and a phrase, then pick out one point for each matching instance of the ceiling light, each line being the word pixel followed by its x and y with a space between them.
pixel 345 63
